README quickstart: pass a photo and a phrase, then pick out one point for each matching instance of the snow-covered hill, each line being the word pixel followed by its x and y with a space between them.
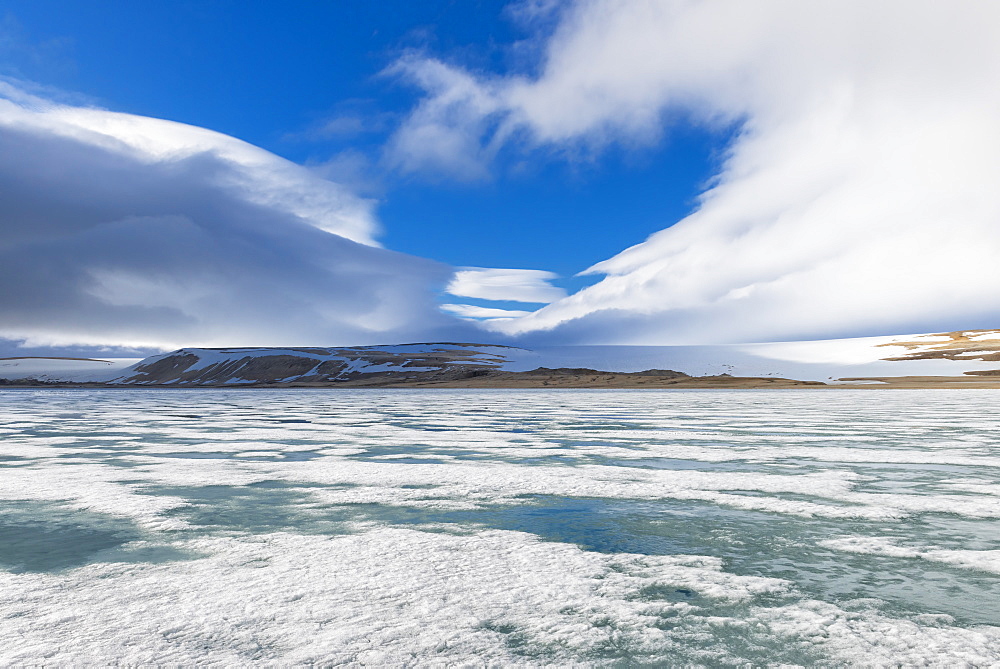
pixel 955 354
pixel 63 369
pixel 241 366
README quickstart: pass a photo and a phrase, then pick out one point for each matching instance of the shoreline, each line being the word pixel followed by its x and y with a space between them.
pixel 602 382
pixel 965 359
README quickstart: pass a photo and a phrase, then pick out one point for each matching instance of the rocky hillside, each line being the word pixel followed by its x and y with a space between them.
pixel 358 365
pixel 455 365
pixel 968 358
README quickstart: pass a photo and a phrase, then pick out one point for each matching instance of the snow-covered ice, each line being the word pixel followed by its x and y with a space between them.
pixel 380 527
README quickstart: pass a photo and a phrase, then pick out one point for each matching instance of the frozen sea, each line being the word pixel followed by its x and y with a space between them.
pixel 512 527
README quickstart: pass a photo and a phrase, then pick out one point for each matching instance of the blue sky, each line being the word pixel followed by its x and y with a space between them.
pixel 277 74
pixel 722 171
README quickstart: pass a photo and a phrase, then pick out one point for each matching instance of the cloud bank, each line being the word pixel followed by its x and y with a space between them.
pixel 858 197
pixel 119 230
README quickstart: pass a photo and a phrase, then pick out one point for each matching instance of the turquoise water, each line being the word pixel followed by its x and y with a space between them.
pixel 715 528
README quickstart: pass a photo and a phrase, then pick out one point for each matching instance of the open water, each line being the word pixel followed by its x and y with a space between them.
pixel 423 527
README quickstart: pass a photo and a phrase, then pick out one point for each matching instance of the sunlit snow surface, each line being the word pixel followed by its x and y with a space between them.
pixel 499 527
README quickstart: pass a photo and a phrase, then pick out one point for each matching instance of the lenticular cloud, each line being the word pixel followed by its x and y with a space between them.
pixel 516 285
pixel 125 230
pixel 858 197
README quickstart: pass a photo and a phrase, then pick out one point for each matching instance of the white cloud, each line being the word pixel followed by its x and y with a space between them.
pixel 474 312
pixel 512 285
pixel 442 134
pixel 859 197
pixel 128 231
pixel 260 176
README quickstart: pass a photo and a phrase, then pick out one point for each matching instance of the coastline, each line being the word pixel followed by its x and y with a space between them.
pixel 602 381
pixel 967 359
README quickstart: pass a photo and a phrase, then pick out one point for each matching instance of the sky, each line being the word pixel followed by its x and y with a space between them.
pixel 593 172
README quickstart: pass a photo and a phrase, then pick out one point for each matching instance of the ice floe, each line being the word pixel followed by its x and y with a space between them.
pixel 507 528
